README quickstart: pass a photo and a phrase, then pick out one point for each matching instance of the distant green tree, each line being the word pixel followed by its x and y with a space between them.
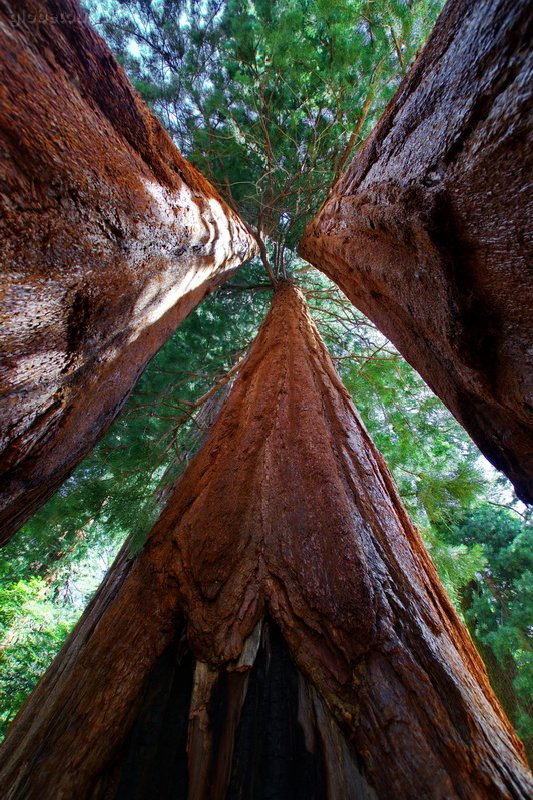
pixel 498 603
pixel 32 629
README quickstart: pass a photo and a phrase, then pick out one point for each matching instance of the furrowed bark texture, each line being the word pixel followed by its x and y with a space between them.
pixel 428 231
pixel 284 543
pixel 109 239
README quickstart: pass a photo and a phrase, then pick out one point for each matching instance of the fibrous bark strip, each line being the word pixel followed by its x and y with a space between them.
pixel 286 528
pixel 109 239
pixel 427 231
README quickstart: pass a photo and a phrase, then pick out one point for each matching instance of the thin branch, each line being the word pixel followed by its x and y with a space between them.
pixel 508 508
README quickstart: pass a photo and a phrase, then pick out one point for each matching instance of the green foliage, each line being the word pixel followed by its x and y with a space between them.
pixel 32 628
pixel 433 461
pixel 498 604
pixel 457 565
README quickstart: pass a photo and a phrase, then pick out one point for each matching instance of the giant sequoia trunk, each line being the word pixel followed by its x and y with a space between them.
pixel 427 231
pixel 109 239
pixel 282 634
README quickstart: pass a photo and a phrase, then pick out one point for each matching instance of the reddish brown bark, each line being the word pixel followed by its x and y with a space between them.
pixel 287 513
pixel 109 239
pixel 426 232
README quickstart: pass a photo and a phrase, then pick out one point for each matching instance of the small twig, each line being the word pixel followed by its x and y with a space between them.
pixel 508 508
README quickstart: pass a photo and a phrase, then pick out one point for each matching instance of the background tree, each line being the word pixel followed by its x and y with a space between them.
pixel 497 603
